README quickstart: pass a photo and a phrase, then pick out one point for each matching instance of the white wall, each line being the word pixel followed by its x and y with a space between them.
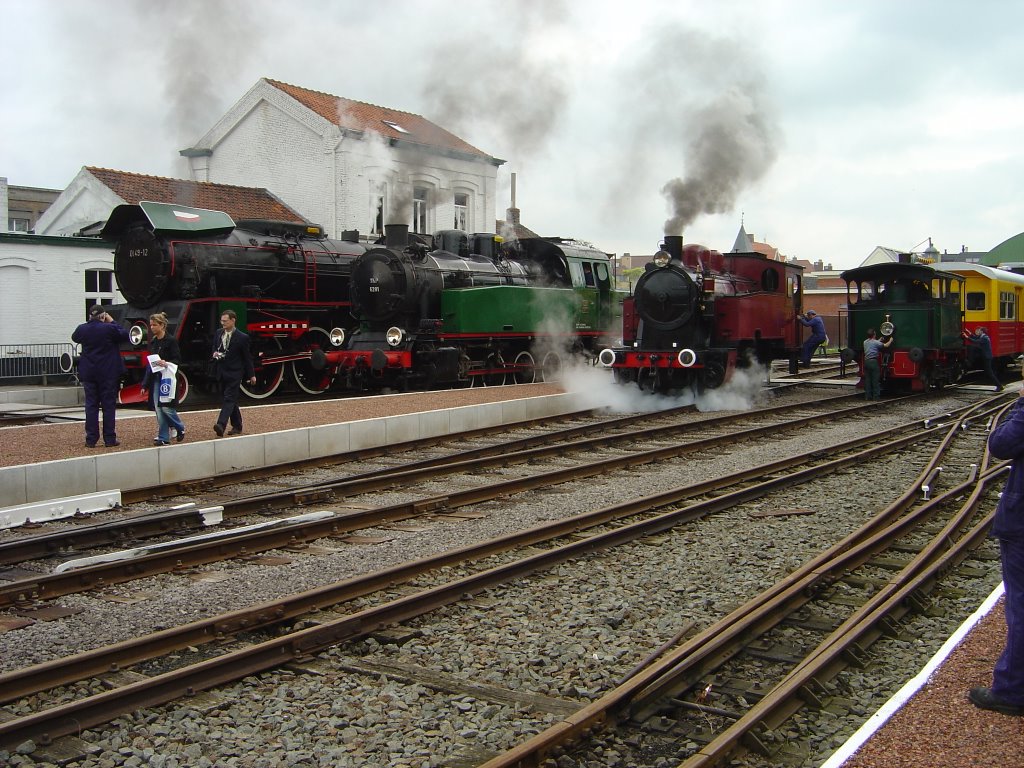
pixel 42 282
pixel 83 202
pixel 269 140
pixel 4 206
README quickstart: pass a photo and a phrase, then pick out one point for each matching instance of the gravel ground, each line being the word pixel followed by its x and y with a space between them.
pixel 253 723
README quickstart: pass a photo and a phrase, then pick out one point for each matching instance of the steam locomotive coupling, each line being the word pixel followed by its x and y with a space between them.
pixel 412 311
pixel 452 309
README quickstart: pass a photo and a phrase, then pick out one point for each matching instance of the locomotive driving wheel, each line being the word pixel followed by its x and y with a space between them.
pixel 268 377
pixel 526 370
pixel 551 367
pixel 180 386
pixel 307 377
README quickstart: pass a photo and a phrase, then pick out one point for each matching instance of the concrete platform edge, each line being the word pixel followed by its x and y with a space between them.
pixel 144 467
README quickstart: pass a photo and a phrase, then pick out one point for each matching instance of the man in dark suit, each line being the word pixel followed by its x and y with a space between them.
pixel 234 363
pixel 99 369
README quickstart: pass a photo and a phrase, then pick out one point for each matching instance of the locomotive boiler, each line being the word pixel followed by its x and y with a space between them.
pixel 695 314
pixel 288 284
pixel 467 309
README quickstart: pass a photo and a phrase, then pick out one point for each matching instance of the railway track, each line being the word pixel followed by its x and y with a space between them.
pixel 97 572
pixel 319 634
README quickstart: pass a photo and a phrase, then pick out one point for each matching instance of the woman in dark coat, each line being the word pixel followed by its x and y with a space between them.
pixel 166 350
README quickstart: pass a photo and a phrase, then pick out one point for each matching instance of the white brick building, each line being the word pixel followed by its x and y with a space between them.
pixel 349 165
pixel 48 282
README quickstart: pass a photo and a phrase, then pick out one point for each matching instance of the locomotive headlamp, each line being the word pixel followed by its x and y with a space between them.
pixel 394 336
pixel 606 358
pixel 661 258
pixel 137 334
pixel 886 328
pixel 686 358
pixel 337 336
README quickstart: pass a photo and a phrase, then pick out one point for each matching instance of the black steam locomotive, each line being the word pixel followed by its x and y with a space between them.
pixel 466 309
pixel 288 284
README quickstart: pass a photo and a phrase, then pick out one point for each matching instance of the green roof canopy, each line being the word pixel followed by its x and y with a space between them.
pixel 167 218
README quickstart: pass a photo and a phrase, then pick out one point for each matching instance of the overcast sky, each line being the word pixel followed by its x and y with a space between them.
pixel 828 127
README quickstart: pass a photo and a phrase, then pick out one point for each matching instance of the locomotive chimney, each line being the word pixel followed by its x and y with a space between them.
pixel 674 246
pixel 396 235
pixel 512 213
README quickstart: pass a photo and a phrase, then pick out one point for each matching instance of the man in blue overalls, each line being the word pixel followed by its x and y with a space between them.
pixel 1007 692
pixel 811 320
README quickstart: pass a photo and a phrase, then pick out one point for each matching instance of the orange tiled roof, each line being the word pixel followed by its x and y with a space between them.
pixel 360 116
pixel 767 250
pixel 237 202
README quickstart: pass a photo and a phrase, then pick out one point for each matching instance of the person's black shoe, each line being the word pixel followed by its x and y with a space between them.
pixel 983 698
pixel 234 431
pixel 89 445
pixel 181 435
pixel 113 444
pixel 219 430
pixel 158 441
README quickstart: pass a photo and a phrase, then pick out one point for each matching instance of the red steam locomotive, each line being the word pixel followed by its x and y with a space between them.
pixel 696 314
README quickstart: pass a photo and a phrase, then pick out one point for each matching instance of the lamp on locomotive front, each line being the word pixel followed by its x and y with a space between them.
pixel 887 328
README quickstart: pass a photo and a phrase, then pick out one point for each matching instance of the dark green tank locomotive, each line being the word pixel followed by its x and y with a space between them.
pixel 920 308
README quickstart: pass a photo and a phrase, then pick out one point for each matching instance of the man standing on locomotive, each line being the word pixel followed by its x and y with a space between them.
pixel 810 319
pixel 1006 695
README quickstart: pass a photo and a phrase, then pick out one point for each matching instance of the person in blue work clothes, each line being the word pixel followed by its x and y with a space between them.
pixel 873 366
pixel 100 369
pixel 981 346
pixel 1006 695
pixel 812 320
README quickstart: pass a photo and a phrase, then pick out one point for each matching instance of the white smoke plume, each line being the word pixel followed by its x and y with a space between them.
pixel 595 387
pixel 512 84
pixel 701 104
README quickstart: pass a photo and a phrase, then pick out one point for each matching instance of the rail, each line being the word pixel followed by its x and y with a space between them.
pixel 34 361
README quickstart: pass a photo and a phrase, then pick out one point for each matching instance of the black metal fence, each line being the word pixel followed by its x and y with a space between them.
pixel 38 363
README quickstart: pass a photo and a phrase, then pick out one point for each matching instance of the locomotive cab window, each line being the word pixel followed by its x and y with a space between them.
pixel 603 280
pixel 975 301
pixel 588 274
pixel 770 280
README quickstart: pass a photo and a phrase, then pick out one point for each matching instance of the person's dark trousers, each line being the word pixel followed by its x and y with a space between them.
pixel 100 395
pixel 1008 677
pixel 872 380
pixel 230 391
pixel 986 365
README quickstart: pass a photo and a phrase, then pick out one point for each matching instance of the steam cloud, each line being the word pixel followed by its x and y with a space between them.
pixel 700 103
pixel 729 148
pixel 513 84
